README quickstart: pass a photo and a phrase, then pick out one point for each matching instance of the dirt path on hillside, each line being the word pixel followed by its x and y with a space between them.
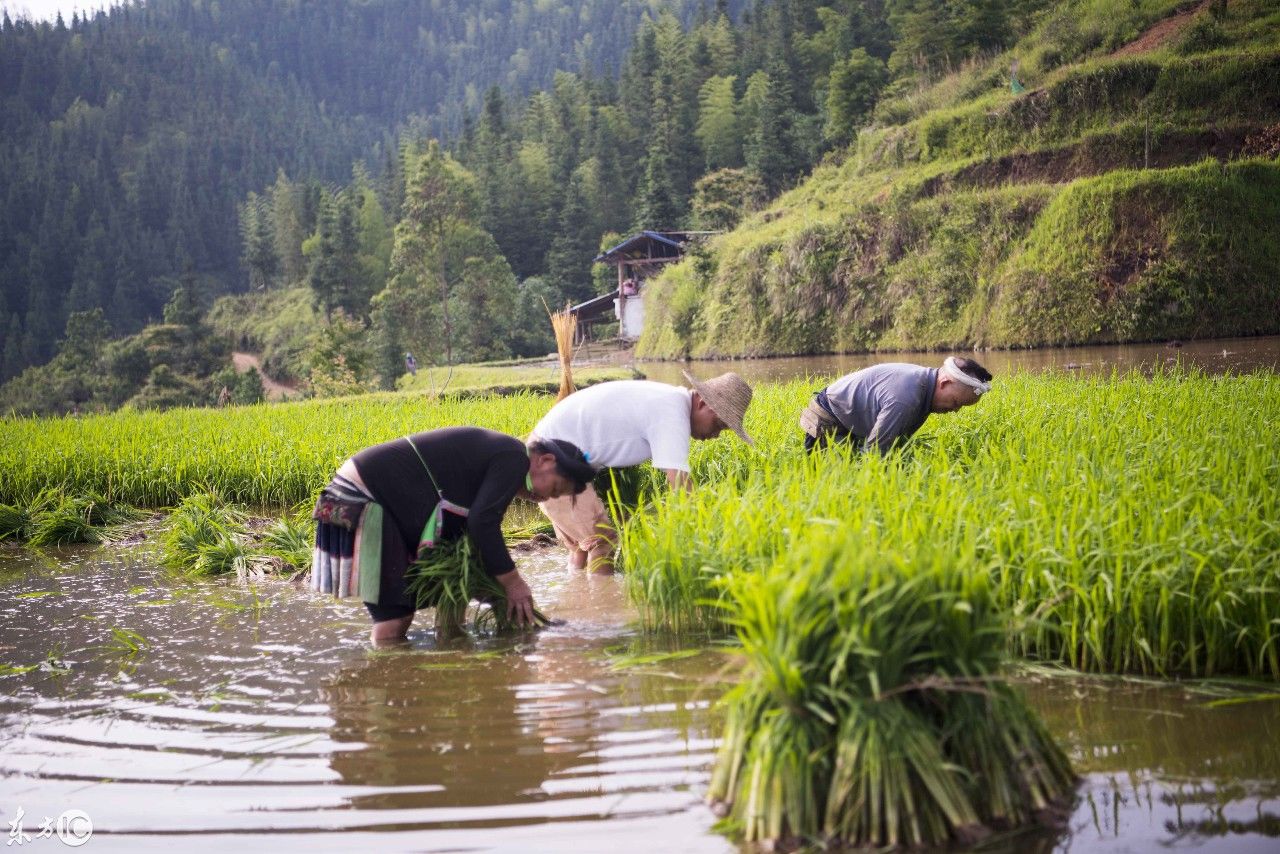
pixel 274 390
pixel 1162 31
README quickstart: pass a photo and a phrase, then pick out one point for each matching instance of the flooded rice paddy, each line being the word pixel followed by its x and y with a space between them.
pixel 208 716
pixel 1212 355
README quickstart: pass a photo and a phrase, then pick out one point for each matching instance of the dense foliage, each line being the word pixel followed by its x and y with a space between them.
pixel 130 137
pixel 139 134
pixel 176 362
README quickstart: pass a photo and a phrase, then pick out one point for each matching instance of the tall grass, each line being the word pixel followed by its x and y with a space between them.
pixel 271 456
pixel 1127 524
pixel 259 456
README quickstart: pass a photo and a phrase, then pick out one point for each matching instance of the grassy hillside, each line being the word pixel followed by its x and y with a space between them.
pixel 1131 192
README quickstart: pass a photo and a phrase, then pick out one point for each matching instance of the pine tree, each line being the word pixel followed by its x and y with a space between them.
pixel 772 153
pixel 487 307
pixel 569 259
pixel 259 242
pixel 81 345
pixel 719 132
pixel 91 271
pixel 352 291
pixel 287 229
pixel 11 361
pixel 183 309
pixel 441 199
pixel 927 37
pixel 854 86
pixel 322 276
pixel 659 206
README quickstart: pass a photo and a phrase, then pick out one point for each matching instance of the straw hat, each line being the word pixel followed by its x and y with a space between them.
pixel 728 395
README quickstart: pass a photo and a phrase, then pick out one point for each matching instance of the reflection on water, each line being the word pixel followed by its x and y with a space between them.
pixel 244 713
pixel 1164 767
pixel 1215 355
pixel 254 712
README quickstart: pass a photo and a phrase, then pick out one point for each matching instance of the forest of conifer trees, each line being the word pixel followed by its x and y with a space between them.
pixel 259 145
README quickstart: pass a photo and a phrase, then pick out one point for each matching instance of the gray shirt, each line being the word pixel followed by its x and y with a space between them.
pixel 883 404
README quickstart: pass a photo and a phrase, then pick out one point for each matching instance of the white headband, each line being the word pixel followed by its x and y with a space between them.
pixel 952 369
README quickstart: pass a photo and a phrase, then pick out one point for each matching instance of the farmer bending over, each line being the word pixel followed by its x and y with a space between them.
pixel 391 501
pixel 884 405
pixel 625 423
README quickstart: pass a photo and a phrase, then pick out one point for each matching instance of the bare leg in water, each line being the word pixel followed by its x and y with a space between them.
pixel 388 632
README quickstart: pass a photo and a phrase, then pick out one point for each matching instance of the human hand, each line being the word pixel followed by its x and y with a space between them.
pixel 519 598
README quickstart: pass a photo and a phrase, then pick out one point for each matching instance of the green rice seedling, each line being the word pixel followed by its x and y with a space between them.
pixel 102 512
pixel 272 455
pixel 265 456
pixel 226 554
pixel 1117 536
pixel 872 710
pixel 126 643
pixel 67 521
pixel 205 537
pixel 13 522
pixel 449 578
pixel 291 538
pixel 1128 522
pixel 528 530
pixel 53 517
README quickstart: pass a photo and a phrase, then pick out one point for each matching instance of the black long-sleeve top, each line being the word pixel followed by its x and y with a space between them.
pixel 476 468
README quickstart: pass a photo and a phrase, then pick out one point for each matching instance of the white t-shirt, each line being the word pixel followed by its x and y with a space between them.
pixel 624 423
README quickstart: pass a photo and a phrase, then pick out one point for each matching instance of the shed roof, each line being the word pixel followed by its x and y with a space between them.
pixel 594 307
pixel 668 244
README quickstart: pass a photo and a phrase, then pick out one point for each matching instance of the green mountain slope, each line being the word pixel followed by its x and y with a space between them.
pixel 1131 192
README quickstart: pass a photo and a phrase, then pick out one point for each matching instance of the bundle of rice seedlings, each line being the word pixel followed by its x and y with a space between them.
pixel 55 518
pixel 105 513
pixel 625 490
pixel 68 520
pixel 873 711
pixel 565 326
pixel 528 531
pixel 13 522
pixel 291 538
pixel 449 578
pixel 205 537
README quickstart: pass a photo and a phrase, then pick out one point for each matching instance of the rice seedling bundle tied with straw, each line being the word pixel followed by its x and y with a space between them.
pixel 449 577
pixel 873 712
pixel 207 536
pixel 55 518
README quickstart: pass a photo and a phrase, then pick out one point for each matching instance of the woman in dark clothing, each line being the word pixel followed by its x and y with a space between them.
pixel 391 500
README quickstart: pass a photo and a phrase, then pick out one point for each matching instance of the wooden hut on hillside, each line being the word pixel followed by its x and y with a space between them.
pixel 638 258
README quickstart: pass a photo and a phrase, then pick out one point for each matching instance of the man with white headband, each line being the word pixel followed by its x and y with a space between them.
pixel 884 405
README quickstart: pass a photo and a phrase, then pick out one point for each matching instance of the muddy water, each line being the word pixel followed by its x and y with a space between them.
pixel 260 718
pixel 1215 355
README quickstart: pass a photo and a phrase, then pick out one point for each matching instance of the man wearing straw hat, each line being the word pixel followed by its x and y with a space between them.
pixel 628 422
pixel 884 405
